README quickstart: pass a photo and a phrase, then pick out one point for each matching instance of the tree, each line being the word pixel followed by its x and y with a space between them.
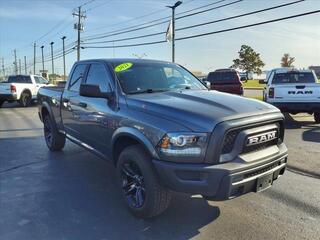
pixel 287 61
pixel 248 61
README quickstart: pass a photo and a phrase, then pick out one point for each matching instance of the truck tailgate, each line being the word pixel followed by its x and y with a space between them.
pixel 5 88
pixel 297 92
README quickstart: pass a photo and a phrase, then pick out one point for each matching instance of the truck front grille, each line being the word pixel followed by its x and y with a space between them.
pixel 229 140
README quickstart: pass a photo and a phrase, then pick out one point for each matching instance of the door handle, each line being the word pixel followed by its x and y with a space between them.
pixel 65 100
pixel 82 104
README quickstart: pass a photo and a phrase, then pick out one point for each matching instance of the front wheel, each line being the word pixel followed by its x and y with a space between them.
pixel 25 99
pixel 317 117
pixel 142 192
pixel 54 140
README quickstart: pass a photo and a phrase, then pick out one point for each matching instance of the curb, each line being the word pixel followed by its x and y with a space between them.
pixel 253 88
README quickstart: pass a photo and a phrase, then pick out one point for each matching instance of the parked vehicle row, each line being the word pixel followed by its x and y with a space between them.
pixel 164 131
pixel 21 88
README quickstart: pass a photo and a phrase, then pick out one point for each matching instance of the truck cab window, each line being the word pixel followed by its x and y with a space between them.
pixel 40 80
pixel 98 75
pixel 76 78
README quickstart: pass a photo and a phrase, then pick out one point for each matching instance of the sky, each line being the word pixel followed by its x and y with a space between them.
pixel 23 22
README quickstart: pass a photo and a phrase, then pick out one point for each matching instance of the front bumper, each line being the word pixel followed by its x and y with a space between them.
pixel 221 181
pixel 296 107
pixel 8 97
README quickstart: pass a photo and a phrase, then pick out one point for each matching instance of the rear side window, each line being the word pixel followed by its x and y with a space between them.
pixel 40 80
pixel 77 77
pixel 98 75
pixel 222 77
pixel 293 77
pixel 19 79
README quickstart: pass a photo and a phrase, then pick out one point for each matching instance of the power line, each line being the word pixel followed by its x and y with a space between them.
pixel 249 25
pixel 198 25
pixel 211 33
pixel 207 10
pixel 147 15
pixel 99 5
pixel 140 26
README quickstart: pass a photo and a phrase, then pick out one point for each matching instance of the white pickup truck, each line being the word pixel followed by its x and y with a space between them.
pixel 22 88
pixel 293 91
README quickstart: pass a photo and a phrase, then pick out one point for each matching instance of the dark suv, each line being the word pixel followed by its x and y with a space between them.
pixel 226 80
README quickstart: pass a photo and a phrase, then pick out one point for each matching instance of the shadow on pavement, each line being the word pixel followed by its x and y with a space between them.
pixel 73 195
pixel 16 105
pixel 311 131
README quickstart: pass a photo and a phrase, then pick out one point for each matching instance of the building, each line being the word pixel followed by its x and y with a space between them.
pixel 316 69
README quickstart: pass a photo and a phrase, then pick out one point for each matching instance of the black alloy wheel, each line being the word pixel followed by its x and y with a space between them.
pixel 133 184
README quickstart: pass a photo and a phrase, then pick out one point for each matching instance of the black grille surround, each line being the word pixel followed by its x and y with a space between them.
pixel 231 136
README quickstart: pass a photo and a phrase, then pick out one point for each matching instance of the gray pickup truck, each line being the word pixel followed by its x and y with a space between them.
pixel 164 131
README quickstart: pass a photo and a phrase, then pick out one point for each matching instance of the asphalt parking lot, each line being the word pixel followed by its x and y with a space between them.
pixel 72 194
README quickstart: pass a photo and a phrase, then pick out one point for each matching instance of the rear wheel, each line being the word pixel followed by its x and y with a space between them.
pixel 1 102
pixel 54 140
pixel 142 192
pixel 317 117
pixel 25 99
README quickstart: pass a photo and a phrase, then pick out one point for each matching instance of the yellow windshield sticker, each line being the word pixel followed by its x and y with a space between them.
pixel 123 67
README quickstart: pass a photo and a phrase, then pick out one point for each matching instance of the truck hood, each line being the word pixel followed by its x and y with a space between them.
pixel 197 110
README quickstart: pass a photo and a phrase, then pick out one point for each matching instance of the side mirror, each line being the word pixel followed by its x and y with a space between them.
pixel 89 90
pixel 208 84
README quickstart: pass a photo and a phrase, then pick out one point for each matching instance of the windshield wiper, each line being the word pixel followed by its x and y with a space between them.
pixel 149 90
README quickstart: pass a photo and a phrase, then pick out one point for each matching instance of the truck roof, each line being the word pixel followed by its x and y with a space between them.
pixel 23 75
pixel 287 69
pixel 122 60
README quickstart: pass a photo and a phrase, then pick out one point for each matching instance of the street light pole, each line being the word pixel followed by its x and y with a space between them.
pixel 52 59
pixel 173 8
pixel 64 58
pixel 42 59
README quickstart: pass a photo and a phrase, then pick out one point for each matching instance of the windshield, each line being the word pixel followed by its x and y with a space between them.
pixel 294 77
pixel 223 77
pixel 154 77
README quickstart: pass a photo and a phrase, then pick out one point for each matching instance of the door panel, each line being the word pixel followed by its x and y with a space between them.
pixel 97 114
pixel 70 109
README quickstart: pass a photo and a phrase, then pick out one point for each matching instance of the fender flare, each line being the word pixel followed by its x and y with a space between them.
pixel 46 106
pixel 25 90
pixel 138 136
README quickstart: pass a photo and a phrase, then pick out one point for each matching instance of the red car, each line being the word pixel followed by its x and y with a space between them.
pixel 225 80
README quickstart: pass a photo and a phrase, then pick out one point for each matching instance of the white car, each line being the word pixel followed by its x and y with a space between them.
pixel 293 91
pixel 22 88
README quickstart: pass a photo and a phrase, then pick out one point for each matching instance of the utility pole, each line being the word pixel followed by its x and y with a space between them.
pixel 34 58
pixel 25 65
pixel 173 8
pixel 52 59
pixel 3 71
pixel 79 27
pixel 19 66
pixel 15 62
pixel 42 59
pixel 64 58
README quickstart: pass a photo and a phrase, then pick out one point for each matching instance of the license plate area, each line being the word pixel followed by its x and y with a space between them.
pixel 264 182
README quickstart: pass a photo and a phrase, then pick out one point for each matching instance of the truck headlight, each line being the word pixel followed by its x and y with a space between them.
pixel 183 145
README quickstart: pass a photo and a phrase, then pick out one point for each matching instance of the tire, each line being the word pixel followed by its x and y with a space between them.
pixel 317 117
pixel 1 103
pixel 25 99
pixel 54 140
pixel 141 190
